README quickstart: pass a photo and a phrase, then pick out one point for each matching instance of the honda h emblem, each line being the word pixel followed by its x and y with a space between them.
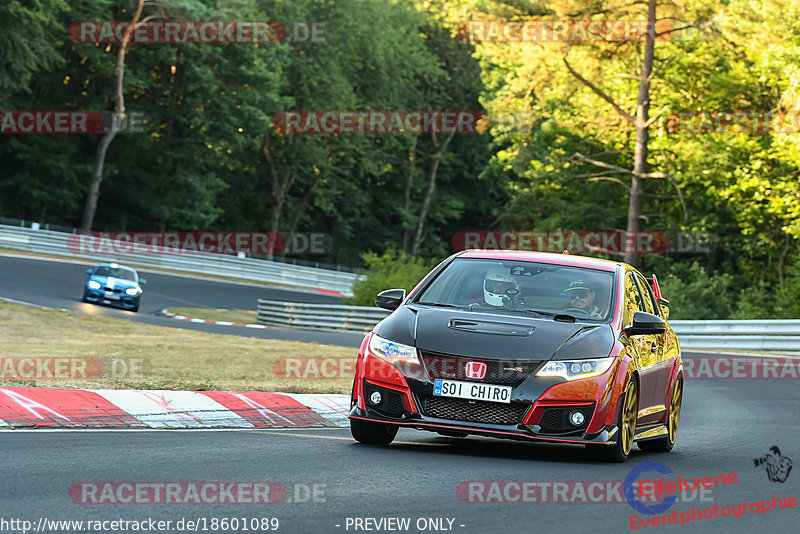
pixel 476 370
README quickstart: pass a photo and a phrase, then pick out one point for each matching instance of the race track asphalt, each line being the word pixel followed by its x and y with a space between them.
pixel 724 426
pixel 59 284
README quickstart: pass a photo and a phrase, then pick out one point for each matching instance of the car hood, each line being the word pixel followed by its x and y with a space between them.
pixel 110 281
pixel 492 336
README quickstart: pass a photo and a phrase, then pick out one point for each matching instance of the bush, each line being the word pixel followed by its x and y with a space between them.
pixel 393 270
pixel 694 294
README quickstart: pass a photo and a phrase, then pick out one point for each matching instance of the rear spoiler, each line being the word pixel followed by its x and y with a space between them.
pixel 657 291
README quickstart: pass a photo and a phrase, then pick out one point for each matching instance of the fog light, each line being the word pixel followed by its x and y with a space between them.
pixel 375 397
pixel 577 418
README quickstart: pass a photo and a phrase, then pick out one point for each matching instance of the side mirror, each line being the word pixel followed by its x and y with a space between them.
pixel 664 310
pixel 390 299
pixel 88 271
pixel 646 323
pixel 142 281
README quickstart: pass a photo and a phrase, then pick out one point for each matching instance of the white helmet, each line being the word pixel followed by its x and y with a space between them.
pixel 495 284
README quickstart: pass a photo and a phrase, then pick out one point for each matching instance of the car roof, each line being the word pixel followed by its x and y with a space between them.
pixel 115 266
pixel 543 257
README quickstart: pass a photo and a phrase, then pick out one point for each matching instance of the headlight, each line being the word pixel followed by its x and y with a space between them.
pixel 132 291
pixel 94 285
pixel 574 369
pixel 392 352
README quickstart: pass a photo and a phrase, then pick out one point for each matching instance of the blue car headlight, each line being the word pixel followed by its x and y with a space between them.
pixel 391 351
pixel 132 291
pixel 575 369
pixel 93 284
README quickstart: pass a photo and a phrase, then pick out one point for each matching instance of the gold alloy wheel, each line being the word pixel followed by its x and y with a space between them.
pixel 675 410
pixel 629 414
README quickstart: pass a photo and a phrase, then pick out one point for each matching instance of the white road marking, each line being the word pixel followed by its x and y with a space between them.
pixel 164 409
pixel 334 408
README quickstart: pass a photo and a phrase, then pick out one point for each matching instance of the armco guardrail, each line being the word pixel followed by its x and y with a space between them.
pixel 776 336
pixel 761 335
pixel 319 316
pixel 49 242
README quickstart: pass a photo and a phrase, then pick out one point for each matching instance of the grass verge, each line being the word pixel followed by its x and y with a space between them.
pixel 166 358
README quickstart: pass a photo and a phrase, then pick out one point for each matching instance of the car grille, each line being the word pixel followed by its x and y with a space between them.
pixel 474 411
pixel 556 420
pixel 391 401
pixel 503 372
pixel 115 289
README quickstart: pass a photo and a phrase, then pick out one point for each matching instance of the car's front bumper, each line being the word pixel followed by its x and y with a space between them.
pixel 97 296
pixel 538 410
pixel 518 432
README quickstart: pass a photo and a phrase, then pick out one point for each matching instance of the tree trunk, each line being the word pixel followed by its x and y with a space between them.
pixel 119 110
pixel 426 201
pixel 640 167
pixel 280 188
pixel 412 156
pixel 300 209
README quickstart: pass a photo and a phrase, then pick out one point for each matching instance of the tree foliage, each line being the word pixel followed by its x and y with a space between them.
pixel 559 157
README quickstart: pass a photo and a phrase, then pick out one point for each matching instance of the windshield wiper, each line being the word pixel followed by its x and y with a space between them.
pixel 557 316
pixel 439 304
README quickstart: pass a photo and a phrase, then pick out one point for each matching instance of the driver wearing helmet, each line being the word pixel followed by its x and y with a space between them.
pixel 499 288
pixel 581 297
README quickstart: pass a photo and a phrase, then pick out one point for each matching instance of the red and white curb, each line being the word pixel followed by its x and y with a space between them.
pixel 76 408
pixel 165 313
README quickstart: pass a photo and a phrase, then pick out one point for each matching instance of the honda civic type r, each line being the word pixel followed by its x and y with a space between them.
pixel 528 346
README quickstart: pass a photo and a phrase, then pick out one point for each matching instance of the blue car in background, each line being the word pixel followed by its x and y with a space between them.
pixel 111 283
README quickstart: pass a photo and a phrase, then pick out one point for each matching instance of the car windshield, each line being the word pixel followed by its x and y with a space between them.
pixel 116 272
pixel 495 286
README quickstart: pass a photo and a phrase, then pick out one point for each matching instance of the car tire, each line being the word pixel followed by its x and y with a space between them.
pixel 665 444
pixel 626 425
pixel 372 433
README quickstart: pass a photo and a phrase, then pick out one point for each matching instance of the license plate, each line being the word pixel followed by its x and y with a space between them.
pixel 110 295
pixel 472 391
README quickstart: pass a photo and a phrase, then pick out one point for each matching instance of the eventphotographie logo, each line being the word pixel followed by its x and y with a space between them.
pixel 777 466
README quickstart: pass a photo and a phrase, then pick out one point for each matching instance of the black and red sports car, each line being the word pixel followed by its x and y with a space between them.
pixel 524 345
